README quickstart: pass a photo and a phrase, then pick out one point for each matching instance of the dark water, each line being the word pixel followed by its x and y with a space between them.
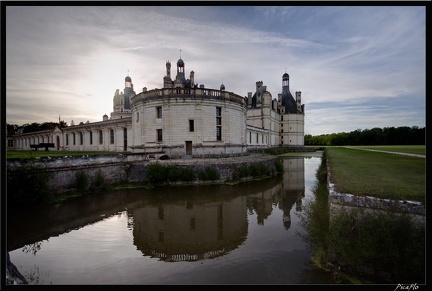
pixel 242 234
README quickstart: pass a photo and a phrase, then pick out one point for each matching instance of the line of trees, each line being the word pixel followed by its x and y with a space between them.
pixel 403 135
pixel 32 127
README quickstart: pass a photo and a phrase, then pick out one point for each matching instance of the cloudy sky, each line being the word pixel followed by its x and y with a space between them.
pixel 358 67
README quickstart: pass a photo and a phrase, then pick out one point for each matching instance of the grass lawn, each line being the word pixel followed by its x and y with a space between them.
pixel 411 149
pixel 20 154
pixel 377 174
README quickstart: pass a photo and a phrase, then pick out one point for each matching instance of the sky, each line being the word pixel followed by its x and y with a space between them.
pixel 357 67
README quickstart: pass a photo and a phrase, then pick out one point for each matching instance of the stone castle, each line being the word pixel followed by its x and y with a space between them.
pixel 183 119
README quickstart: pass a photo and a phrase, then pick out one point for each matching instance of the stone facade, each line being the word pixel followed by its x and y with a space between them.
pixel 183 119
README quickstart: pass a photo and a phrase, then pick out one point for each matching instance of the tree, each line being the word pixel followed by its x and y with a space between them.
pixel 11 129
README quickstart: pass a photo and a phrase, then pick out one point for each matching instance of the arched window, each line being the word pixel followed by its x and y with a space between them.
pixel 100 137
pixel 112 136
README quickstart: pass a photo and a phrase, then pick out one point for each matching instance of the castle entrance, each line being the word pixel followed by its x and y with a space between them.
pixel 188 147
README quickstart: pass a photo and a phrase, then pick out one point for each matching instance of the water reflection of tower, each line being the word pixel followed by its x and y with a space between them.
pixel 262 202
pixel 190 230
pixel 293 187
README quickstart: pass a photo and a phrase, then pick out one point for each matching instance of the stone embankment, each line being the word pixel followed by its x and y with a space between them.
pixel 118 168
pixel 338 200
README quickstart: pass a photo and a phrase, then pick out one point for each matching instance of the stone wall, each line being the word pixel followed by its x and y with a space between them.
pixel 124 168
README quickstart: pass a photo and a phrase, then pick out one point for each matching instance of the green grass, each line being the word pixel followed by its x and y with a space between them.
pixel 377 174
pixel 24 154
pixel 410 149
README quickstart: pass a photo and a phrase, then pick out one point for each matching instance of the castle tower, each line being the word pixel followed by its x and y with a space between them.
pixel 285 84
pixel 287 99
pixel 192 79
pixel 180 80
pixel 128 92
pixel 121 100
pixel 168 70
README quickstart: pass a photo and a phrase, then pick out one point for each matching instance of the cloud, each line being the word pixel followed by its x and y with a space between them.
pixel 337 56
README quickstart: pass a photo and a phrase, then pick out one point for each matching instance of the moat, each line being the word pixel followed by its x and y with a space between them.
pixel 247 233
pixel 217 234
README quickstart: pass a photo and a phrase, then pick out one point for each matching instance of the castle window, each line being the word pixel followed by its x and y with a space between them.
pixel 262 138
pixel 191 125
pixel 137 117
pixel 161 212
pixel 257 137
pixel 100 137
pixel 67 139
pixel 159 135
pixel 219 123
pixel 159 112
pixel 81 138
pixel 282 130
pixel 73 136
pixel 281 117
pixel 250 137
pixel 91 137
pixel 112 136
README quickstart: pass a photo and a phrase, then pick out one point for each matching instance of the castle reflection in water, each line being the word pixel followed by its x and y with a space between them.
pixel 203 227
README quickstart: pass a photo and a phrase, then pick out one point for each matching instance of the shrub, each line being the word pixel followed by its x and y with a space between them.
pixel 176 173
pixel 81 181
pixel 243 171
pixel 259 169
pixel 99 181
pixel 279 166
pixel 157 173
pixel 29 183
pixel 209 173
pixel 187 174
